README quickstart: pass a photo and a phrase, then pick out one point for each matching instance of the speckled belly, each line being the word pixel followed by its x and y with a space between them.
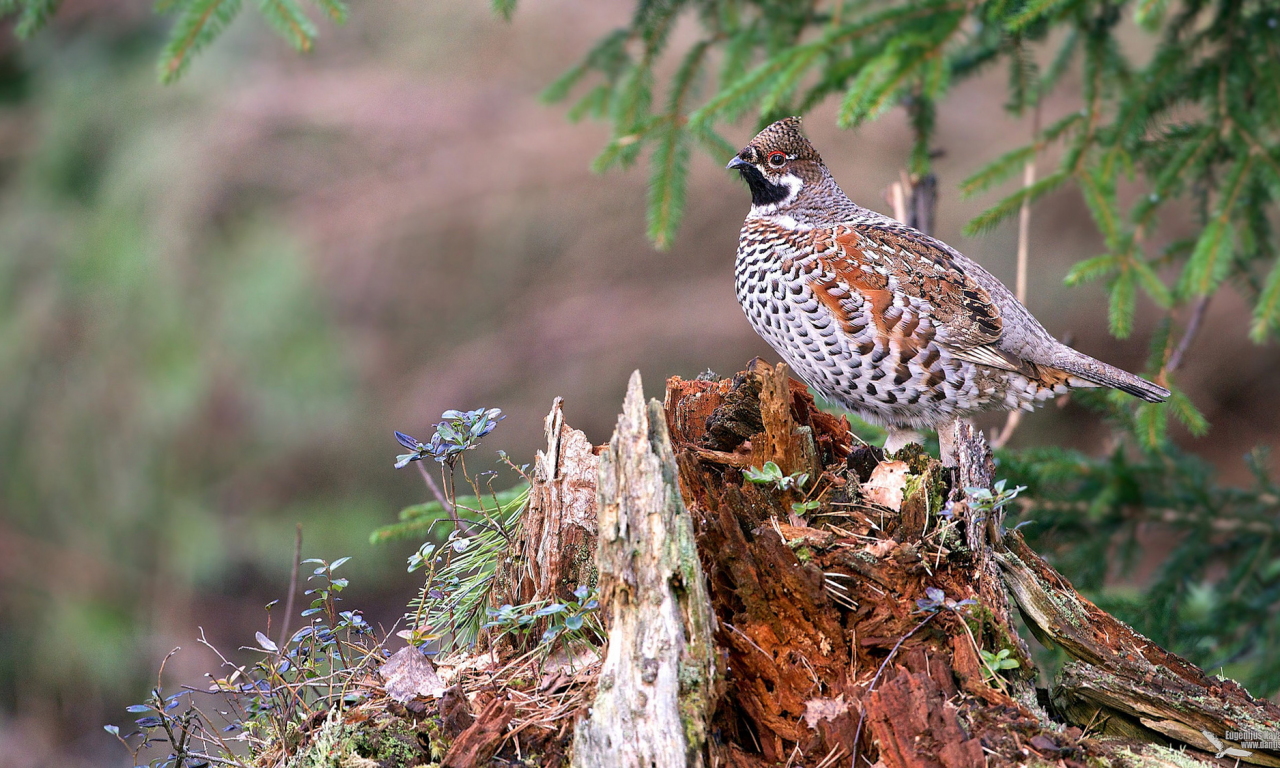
pixel 887 380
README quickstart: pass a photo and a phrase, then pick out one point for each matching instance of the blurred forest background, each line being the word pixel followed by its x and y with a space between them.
pixel 218 299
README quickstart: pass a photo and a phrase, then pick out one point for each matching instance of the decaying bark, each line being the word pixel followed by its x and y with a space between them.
pixel 912 723
pixel 480 741
pixel 651 704
pixel 811 608
pixel 982 525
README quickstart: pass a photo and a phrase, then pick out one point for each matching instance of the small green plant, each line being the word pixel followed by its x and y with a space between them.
pixel 936 600
pixel 164 720
pixel 450 607
pixel 572 620
pixel 326 620
pixel 802 508
pixel 317 668
pixel 994 498
pixel 453 607
pixel 993 663
pixel 460 431
pixel 771 474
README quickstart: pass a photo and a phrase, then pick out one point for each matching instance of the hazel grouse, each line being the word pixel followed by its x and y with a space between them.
pixel 888 322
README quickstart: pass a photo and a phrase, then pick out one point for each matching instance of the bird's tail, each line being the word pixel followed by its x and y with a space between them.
pixel 1100 373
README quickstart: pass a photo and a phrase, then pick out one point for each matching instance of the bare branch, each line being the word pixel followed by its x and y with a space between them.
pixel 1001 437
pixel 1189 335
pixel 443 499
pixel 293 589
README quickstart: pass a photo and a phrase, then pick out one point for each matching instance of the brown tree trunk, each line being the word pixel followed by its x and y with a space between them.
pixel 555 548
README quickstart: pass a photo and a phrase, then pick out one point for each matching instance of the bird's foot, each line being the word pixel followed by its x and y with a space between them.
pixel 900 438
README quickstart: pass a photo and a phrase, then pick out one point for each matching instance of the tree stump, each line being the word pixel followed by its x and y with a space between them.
pixel 854 612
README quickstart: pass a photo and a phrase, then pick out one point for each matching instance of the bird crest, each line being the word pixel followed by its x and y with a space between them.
pixel 786 137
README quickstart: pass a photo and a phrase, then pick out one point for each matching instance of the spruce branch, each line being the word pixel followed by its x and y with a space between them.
pixel 337 10
pixel 34 15
pixel 289 21
pixel 199 24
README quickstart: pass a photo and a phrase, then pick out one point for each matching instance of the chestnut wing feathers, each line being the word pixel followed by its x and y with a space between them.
pixel 891 265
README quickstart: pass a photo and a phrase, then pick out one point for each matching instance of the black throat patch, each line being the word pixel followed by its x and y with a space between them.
pixel 763 191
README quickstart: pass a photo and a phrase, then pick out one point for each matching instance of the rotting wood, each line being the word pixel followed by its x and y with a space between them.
pixel 983 528
pixel 1160 707
pixel 654 691
pixel 810 609
pixel 784 442
pixel 975 465
pixel 851 613
pixel 480 741
pixel 455 712
pixel 1078 626
pixel 560 524
pixel 807 612
pixel 916 727
pixel 555 549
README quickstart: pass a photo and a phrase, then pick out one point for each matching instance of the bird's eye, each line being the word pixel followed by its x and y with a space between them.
pixel 777 159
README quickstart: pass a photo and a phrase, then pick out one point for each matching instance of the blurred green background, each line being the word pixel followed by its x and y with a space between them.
pixel 219 298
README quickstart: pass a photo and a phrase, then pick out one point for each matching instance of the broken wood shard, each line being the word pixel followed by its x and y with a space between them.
pixel 1138 709
pixel 652 702
pixel 887 483
pixel 480 741
pixel 560 524
pixel 555 550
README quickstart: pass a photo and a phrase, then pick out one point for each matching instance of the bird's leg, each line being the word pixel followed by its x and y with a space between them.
pixel 899 438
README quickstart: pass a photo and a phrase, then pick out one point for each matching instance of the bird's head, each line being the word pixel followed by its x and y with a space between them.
pixel 778 165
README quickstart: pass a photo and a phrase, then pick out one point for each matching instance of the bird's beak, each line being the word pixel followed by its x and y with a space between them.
pixel 736 163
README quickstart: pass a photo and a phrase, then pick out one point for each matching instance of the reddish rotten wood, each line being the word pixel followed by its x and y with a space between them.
pixel 480 741
pixel 810 607
pixel 916 727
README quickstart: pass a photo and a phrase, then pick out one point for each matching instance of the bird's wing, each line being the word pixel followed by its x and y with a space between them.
pixel 886 263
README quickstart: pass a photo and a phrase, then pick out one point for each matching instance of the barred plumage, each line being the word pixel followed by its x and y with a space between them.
pixel 881 318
